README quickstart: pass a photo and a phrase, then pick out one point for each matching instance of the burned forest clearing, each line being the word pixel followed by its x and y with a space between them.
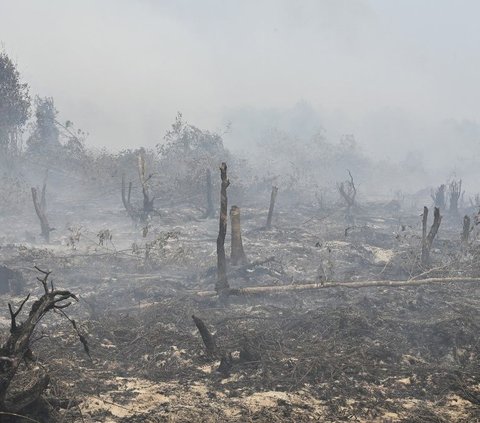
pixel 325 334
pixel 274 267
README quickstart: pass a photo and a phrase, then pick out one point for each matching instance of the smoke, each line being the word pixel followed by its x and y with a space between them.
pixel 401 76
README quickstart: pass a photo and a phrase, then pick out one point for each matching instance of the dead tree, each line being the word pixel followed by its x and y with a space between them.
pixel 455 192
pixel 439 198
pixel 147 209
pixel 348 191
pixel 126 199
pixel 147 201
pixel 427 240
pixel 273 197
pixel 222 281
pixel 16 348
pixel 466 229
pixel 210 212
pixel 40 205
pixel 237 255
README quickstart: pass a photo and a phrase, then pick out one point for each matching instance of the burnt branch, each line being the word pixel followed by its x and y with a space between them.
pixel 81 337
pixel 13 315
pixel 17 346
pixel 207 338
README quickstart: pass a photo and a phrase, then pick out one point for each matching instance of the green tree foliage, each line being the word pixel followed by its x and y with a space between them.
pixel 187 153
pixel 185 140
pixel 14 106
pixel 45 136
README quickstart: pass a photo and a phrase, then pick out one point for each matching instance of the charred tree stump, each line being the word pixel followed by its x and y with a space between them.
pixel 222 282
pixel 16 348
pixel 273 197
pixel 210 212
pixel 466 230
pixel 237 255
pixel 40 209
pixel 207 338
pixel 427 240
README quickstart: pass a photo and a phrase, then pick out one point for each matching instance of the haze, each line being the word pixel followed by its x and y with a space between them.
pixel 400 76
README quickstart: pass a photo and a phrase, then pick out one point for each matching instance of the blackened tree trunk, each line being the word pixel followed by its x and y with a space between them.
pixel 40 209
pixel 147 201
pixel 237 254
pixel 126 199
pixel 427 240
pixel 273 197
pixel 222 282
pixel 466 230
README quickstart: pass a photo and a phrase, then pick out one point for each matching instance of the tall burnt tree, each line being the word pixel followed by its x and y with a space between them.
pixel 222 281
pixel 273 197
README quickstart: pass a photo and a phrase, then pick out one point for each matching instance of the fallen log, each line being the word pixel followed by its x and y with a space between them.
pixel 255 290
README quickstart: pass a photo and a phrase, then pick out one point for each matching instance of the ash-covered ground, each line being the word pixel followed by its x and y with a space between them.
pixel 408 354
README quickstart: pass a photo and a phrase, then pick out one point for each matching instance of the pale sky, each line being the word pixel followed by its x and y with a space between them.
pixel 400 75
